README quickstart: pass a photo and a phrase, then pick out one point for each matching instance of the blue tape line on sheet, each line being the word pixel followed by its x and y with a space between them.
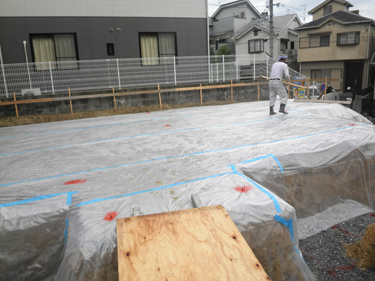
pixel 39 198
pixel 287 223
pixel 178 156
pixel 124 123
pixel 269 194
pixel 150 190
pixel 66 230
pixel 136 136
pixel 263 157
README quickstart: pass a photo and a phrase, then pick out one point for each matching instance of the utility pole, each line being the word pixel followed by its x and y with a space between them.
pixel 271 28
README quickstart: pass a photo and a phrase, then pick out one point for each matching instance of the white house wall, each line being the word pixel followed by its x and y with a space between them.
pixel 236 10
pixel 107 8
pixel 242 44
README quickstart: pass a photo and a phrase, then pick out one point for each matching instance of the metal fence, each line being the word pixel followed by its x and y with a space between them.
pixel 54 77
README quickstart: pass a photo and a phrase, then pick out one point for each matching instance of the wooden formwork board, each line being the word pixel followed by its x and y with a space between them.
pixel 194 244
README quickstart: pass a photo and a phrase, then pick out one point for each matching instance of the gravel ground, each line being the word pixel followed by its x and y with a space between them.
pixel 325 253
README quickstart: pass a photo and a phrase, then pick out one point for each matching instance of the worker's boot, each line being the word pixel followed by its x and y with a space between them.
pixel 282 109
pixel 271 111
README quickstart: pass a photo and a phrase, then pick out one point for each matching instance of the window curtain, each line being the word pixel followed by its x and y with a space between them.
pixel 149 50
pixel 65 51
pixel 44 51
pixel 167 48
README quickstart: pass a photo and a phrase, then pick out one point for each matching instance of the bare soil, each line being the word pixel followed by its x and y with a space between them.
pixel 34 119
pixel 364 251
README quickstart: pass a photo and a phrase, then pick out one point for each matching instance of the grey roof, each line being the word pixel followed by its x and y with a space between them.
pixel 279 24
pixel 340 16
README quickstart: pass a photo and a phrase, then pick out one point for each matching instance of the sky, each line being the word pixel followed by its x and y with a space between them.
pixel 300 7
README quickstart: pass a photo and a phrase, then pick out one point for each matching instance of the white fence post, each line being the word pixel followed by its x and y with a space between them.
pixel 223 70
pixel 118 74
pixel 174 69
pixel 50 72
pixel 217 72
pixel 254 68
pixel 3 71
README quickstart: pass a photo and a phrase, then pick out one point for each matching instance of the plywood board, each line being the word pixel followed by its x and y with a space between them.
pixel 194 244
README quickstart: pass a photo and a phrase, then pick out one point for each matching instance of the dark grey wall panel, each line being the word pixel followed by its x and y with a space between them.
pixel 93 35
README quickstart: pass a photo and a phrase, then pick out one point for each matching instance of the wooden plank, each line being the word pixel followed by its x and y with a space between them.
pixel 201 94
pixel 231 90
pixel 258 92
pixel 200 244
pixel 26 101
pixel 325 89
pixel 287 83
pixel 323 101
pixel 14 97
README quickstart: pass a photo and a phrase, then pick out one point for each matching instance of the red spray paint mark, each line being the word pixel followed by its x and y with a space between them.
pixel 335 227
pixel 352 125
pixel 147 112
pixel 110 216
pixel 243 189
pixel 74 182
pixel 167 125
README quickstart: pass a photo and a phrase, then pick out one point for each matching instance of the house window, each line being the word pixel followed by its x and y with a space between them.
pixel 327 10
pixel 350 38
pixel 157 48
pixel 59 49
pixel 110 49
pixel 316 74
pixel 292 45
pixel 256 46
pixel 255 32
pixel 319 40
pixel 283 44
pixel 242 15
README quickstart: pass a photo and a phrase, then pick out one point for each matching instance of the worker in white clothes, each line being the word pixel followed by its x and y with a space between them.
pixel 276 86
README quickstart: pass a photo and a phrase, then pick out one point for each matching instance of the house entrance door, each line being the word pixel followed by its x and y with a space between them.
pixel 353 75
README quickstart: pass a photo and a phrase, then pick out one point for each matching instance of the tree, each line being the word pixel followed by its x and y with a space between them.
pixel 223 50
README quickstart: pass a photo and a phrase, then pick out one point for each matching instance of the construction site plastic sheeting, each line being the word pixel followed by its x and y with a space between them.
pixel 332 216
pixel 146 155
pixel 32 237
pixel 314 181
pixel 91 252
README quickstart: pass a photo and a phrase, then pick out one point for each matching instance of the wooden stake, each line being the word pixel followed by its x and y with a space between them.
pixel 201 93
pixel 288 91
pixel 114 98
pixel 325 90
pixel 161 106
pixel 258 92
pixel 15 106
pixel 71 107
pixel 231 90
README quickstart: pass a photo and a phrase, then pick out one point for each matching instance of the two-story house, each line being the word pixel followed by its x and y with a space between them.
pixel 338 43
pixel 72 30
pixel 228 20
pixel 254 37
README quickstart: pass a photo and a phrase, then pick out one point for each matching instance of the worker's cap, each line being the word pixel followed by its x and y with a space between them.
pixel 283 57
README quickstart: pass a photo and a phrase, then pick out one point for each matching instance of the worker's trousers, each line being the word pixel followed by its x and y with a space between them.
pixel 276 87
